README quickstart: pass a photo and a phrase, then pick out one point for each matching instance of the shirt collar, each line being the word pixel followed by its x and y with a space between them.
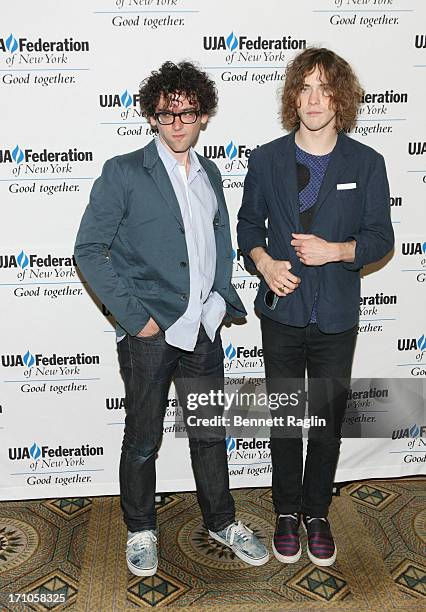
pixel 170 162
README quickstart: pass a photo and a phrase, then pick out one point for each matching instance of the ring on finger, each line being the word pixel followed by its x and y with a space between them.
pixel 282 289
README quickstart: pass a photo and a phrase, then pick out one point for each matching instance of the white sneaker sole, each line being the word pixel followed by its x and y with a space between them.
pixel 322 562
pixel 293 559
pixel 317 560
pixel 141 572
pixel 240 554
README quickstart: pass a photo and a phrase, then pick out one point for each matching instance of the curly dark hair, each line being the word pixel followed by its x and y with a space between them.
pixel 345 89
pixel 172 80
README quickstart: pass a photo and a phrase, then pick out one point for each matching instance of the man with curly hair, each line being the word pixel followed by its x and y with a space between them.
pixel 326 200
pixel 154 244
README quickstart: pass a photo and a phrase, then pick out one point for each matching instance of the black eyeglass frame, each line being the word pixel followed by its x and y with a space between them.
pixel 184 113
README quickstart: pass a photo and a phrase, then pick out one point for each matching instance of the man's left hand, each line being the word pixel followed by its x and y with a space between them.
pixel 314 251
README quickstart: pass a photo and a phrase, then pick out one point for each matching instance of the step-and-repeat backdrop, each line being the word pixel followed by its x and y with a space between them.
pixel 69 76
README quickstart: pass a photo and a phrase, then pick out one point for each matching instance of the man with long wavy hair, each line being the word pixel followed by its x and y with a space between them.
pixel 326 201
pixel 155 246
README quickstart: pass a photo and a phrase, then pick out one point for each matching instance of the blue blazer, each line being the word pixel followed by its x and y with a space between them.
pixel 131 244
pixel 360 213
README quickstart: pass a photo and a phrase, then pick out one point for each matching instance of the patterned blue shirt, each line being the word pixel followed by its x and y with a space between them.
pixel 316 166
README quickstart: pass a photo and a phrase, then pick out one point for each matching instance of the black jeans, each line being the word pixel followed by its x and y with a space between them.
pixel 148 366
pixel 288 352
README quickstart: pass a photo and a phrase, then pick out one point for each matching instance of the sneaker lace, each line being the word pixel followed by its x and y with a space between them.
pixel 141 539
pixel 238 529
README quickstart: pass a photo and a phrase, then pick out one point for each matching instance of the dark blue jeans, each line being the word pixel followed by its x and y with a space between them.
pixel 289 352
pixel 148 366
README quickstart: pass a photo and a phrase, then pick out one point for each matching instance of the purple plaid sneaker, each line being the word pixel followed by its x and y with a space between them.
pixel 286 542
pixel 321 547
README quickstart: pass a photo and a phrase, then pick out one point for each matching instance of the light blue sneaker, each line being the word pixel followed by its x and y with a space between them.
pixel 243 542
pixel 141 553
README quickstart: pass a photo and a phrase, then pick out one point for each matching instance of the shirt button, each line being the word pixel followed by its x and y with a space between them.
pixel 184 297
pixel 183 264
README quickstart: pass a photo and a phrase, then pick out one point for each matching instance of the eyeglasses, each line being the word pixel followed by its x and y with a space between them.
pixel 186 116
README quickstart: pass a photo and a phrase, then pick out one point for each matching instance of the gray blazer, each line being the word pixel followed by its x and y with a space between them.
pixel 131 244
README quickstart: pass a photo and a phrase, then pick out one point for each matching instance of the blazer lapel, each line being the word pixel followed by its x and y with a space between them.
pixel 286 164
pixel 336 166
pixel 216 183
pixel 155 167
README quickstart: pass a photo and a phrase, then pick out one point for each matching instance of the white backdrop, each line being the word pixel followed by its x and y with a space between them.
pixel 69 76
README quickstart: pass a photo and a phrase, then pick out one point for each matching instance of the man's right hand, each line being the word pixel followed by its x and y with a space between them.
pixel 276 273
pixel 150 329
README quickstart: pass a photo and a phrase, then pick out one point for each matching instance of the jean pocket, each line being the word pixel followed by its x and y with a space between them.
pixel 153 337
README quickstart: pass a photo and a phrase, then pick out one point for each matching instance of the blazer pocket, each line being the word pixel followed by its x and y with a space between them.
pixel 145 286
pixel 347 199
pixel 347 194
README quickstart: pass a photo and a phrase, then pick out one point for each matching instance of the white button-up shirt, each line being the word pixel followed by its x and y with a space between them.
pixel 198 206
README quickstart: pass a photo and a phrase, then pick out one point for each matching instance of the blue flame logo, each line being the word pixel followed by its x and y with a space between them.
pixel 23 260
pixel 230 444
pixel 424 247
pixel 11 43
pixel 231 150
pixel 29 359
pixel 234 253
pixel 232 41
pixel 126 99
pixel 18 154
pixel 414 431
pixel 421 343
pixel 35 451
pixel 230 351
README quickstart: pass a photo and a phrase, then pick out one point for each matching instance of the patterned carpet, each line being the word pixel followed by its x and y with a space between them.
pixel 69 554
